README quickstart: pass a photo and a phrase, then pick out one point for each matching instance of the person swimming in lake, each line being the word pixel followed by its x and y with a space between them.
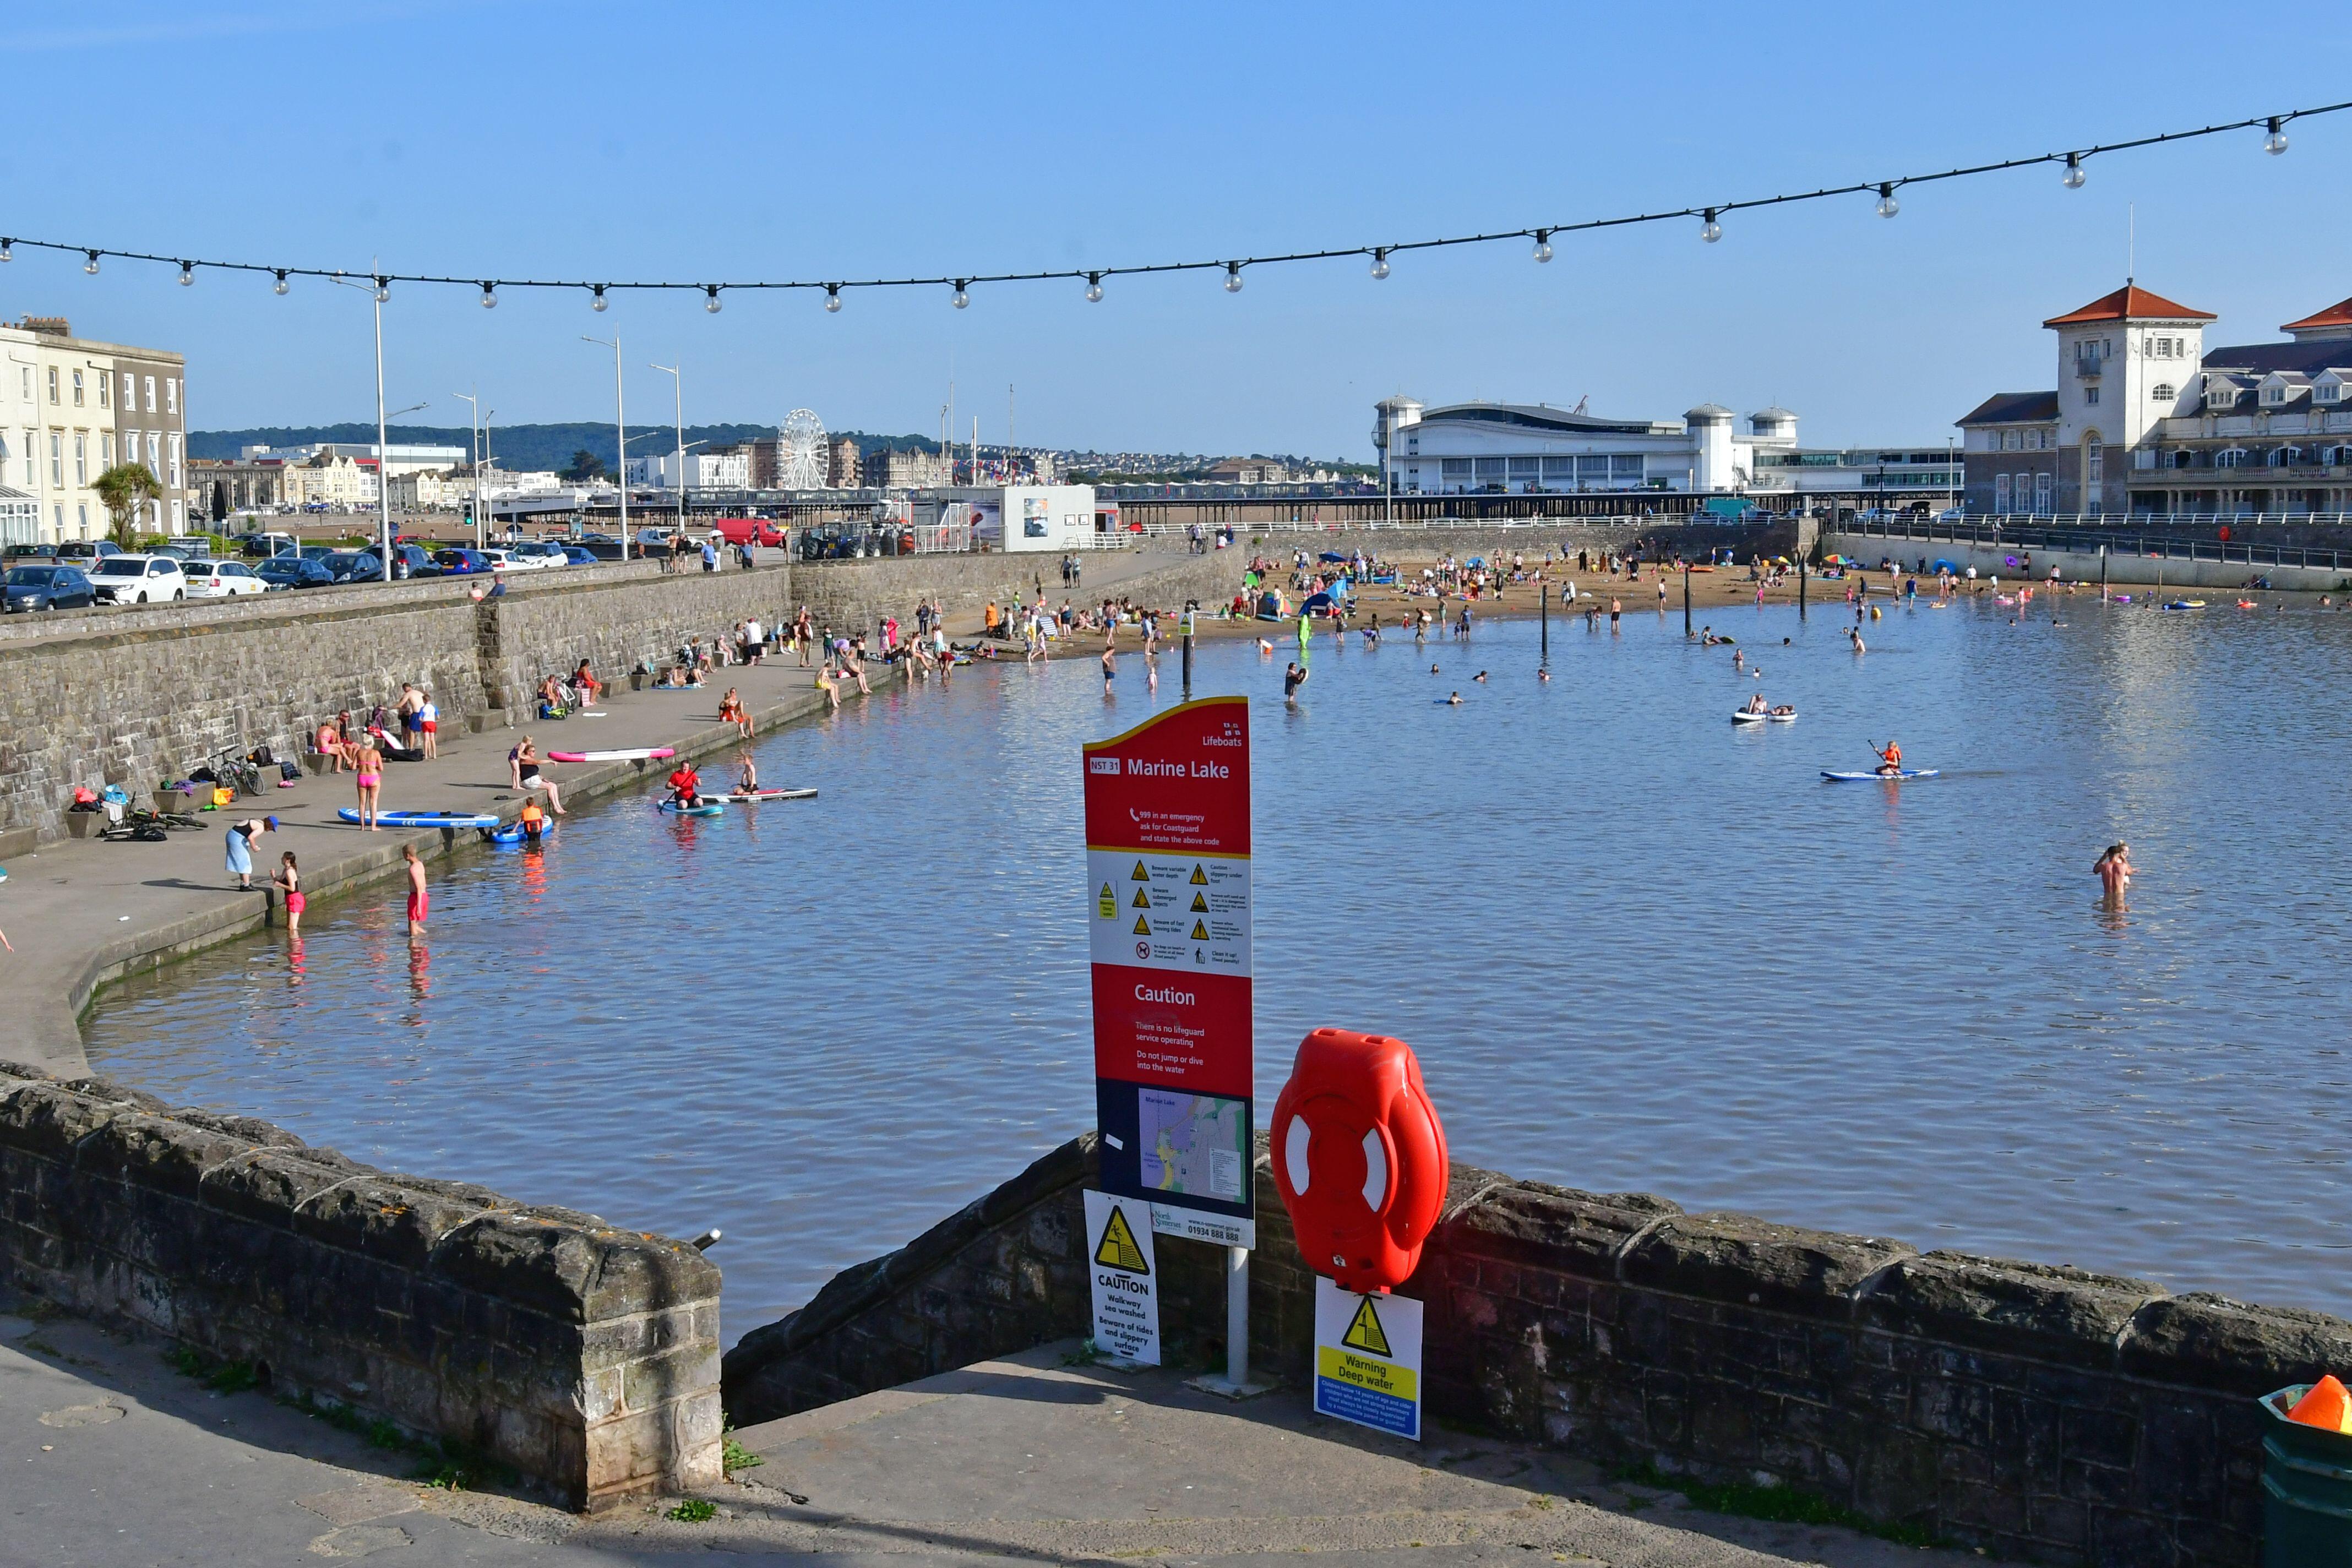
pixel 1454 699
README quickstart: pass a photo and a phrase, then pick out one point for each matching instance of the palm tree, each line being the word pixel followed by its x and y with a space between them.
pixel 124 488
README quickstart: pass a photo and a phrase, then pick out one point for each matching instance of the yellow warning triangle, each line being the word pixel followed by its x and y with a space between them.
pixel 1109 904
pixel 1200 930
pixel 1143 898
pixel 1142 926
pixel 1364 1333
pixel 1200 903
pixel 1117 1250
pixel 1140 874
pixel 1200 878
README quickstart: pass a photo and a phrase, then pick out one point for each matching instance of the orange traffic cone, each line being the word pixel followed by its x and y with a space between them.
pixel 2328 1406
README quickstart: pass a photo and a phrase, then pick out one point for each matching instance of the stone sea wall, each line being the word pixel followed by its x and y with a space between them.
pixel 583 1356
pixel 2038 1412
pixel 136 697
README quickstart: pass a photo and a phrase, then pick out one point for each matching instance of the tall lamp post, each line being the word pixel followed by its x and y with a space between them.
pixel 380 293
pixel 474 408
pixel 621 436
pixel 677 391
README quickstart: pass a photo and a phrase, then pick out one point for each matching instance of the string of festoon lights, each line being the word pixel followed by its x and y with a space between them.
pixel 2274 140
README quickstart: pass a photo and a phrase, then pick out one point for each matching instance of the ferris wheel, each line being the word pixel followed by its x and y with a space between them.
pixel 801 460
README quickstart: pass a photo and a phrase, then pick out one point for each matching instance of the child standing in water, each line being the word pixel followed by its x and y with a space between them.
pixel 288 881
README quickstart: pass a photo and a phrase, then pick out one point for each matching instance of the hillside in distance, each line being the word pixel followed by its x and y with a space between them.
pixel 521 447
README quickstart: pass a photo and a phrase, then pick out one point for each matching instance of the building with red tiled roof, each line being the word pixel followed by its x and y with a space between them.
pixel 2148 421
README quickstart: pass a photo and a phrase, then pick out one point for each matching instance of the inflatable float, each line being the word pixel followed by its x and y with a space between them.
pixel 625 754
pixel 512 833
pixel 707 809
pixel 423 818
pixel 757 795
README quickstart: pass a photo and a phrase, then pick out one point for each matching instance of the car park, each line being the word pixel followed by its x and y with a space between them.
pixel 122 579
pixel 221 580
pixel 283 572
pixel 47 586
pixel 353 566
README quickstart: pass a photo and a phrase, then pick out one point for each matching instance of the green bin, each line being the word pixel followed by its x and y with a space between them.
pixel 2306 1489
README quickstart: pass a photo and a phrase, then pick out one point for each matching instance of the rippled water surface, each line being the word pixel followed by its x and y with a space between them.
pixel 1635 947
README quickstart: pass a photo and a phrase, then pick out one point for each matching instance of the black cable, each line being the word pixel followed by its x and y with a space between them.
pixel 1542 234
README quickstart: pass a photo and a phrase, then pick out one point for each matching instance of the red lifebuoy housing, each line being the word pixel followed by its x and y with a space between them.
pixel 1359 1158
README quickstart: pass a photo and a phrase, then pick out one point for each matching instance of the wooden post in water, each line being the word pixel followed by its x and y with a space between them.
pixel 2103 573
pixel 1801 579
pixel 1188 653
pixel 1686 626
pixel 1546 621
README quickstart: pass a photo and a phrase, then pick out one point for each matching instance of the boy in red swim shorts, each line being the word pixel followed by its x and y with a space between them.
pixel 418 900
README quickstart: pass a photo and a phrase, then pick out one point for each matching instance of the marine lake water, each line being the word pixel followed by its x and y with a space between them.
pixel 1636 947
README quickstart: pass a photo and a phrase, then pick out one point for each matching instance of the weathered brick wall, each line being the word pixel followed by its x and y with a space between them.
pixel 2041 1413
pixel 583 1356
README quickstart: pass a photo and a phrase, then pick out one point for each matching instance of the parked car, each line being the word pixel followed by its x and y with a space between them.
pixel 321 551
pixel 121 579
pixel 222 580
pixel 454 561
pixel 410 560
pixel 353 566
pixel 87 550
pixel 540 553
pixel 48 587
pixel 282 572
pixel 190 546
pixel 578 555
pixel 260 546
pixel 17 553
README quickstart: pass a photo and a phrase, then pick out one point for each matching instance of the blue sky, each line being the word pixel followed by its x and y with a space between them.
pixel 736 141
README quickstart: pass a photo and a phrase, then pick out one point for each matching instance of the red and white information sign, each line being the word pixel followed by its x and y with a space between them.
pixel 1168 907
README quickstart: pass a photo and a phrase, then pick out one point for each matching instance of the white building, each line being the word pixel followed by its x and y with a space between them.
pixel 400 459
pixel 702 471
pixel 71 408
pixel 1515 449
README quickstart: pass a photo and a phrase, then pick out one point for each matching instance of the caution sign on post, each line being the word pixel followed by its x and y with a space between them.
pixel 1125 1277
pixel 1368 1360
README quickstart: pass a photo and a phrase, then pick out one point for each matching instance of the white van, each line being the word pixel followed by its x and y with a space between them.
pixel 138 579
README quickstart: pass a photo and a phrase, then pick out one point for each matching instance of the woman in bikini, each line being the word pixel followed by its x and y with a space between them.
pixel 370 780
pixel 288 881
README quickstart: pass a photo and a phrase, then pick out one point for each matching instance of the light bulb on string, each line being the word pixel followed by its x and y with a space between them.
pixel 960 298
pixel 1712 231
pixel 187 275
pixel 596 301
pixel 1094 288
pixel 832 298
pixel 8 250
pixel 1233 276
pixel 489 297
pixel 710 302
pixel 2275 142
pixel 1887 205
pixel 280 287
pixel 1543 245
pixel 2073 177
pixel 383 290
pixel 1381 262
pixel 90 266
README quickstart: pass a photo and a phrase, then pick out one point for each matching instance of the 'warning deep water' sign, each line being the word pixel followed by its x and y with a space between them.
pixel 1125 1277
pixel 1368 1359
pixel 1167 914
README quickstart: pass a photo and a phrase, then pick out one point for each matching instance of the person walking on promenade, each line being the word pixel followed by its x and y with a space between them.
pixel 288 881
pixel 709 555
pixel 370 781
pixel 419 901
pixel 241 836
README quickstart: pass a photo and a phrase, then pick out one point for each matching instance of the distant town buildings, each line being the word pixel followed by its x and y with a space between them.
pixel 843 470
pixel 891 469
pixel 399 458
pixel 723 467
pixel 2148 421
pixel 71 408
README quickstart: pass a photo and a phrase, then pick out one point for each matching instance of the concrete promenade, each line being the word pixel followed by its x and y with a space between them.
pixel 111 1459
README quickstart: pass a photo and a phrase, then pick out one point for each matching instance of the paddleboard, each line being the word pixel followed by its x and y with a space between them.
pixel 2186 604
pixel 757 795
pixel 707 809
pixel 1881 778
pixel 512 833
pixel 423 818
pixel 625 754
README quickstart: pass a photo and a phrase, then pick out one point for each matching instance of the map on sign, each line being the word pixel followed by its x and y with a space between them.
pixel 1192 1144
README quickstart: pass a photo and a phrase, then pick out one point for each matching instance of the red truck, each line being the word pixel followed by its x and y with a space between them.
pixel 739 530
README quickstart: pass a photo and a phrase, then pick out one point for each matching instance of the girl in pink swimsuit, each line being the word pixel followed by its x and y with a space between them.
pixel 370 779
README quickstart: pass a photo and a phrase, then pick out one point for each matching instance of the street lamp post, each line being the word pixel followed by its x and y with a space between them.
pixel 383 443
pixel 621 435
pixel 474 410
pixel 677 389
